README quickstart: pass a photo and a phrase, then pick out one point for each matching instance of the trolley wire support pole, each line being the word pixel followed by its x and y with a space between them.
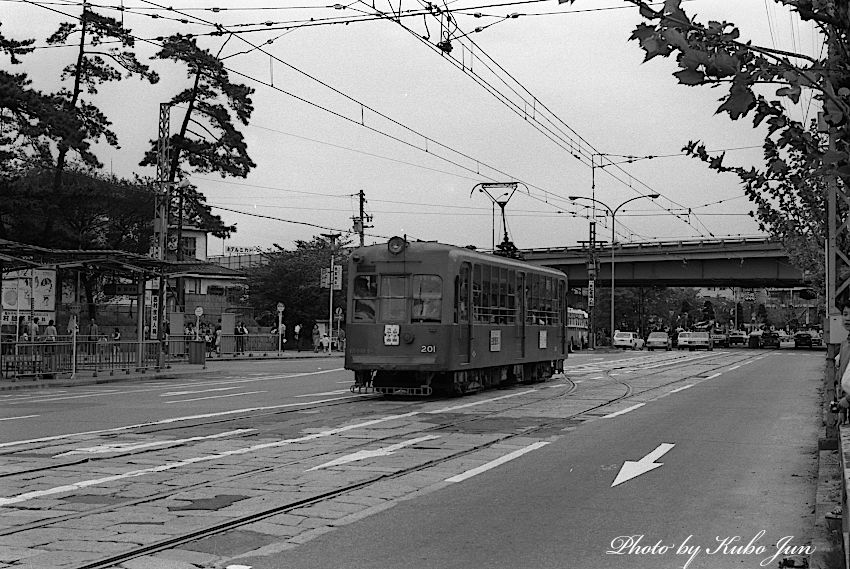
pixel 360 226
pixel 613 213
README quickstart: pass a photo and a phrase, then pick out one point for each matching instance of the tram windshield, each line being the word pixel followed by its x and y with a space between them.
pixel 427 298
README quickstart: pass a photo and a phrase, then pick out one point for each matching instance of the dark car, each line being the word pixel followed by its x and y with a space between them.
pixel 770 339
pixel 803 339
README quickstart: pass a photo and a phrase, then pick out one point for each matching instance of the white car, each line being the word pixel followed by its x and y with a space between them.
pixel 628 340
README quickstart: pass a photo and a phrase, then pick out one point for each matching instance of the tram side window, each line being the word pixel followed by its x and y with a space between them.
pixel 462 295
pixel 476 293
pixel 393 299
pixel 427 298
pixel 365 298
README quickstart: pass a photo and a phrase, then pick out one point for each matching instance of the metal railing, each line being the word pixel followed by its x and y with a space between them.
pixel 63 357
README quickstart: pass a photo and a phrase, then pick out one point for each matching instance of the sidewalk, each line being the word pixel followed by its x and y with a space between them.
pixel 172 370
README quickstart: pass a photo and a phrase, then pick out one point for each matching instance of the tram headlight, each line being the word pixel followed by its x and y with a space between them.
pixel 396 245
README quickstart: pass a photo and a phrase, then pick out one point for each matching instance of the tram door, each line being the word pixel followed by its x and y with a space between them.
pixel 463 311
pixel 522 298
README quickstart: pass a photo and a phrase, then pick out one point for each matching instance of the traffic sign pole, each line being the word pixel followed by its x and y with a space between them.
pixel 280 309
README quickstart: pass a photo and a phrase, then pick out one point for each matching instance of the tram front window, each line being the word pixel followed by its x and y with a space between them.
pixel 393 299
pixel 365 298
pixel 427 298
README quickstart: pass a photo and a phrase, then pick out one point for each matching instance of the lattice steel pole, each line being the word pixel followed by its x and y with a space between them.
pixel 163 203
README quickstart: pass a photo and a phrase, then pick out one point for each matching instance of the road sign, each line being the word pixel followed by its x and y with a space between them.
pixel 338 311
pixel 325 279
pixel 199 311
pixel 337 277
pixel 591 293
pixel 280 307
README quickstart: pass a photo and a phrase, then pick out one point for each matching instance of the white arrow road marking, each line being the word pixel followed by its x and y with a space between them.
pixel 632 469
pixel 364 454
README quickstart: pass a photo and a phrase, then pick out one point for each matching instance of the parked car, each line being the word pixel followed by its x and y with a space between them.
pixel 803 339
pixel 699 340
pixel 770 339
pixel 817 340
pixel 628 341
pixel 720 339
pixel 683 340
pixel 737 338
pixel 660 340
pixel 754 339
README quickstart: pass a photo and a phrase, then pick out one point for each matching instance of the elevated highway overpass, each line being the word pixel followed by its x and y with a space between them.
pixel 730 262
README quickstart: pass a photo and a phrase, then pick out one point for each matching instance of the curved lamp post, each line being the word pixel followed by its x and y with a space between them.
pixel 613 213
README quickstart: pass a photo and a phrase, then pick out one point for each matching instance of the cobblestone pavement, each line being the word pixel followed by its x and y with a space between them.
pixel 271 481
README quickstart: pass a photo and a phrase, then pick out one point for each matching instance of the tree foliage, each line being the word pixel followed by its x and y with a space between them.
pixel 292 277
pixel 31 120
pixel 787 190
pixel 208 140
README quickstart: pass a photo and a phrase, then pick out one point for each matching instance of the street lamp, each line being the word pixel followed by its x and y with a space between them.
pixel 613 215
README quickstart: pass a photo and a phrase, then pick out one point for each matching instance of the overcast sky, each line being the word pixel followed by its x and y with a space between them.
pixel 404 124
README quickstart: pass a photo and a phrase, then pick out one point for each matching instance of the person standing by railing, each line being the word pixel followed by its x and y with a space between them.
pixel 50 332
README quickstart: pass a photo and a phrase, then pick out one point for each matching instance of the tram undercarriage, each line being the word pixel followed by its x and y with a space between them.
pixel 453 383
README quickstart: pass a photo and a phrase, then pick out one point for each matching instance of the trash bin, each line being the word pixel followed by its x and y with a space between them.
pixel 197 352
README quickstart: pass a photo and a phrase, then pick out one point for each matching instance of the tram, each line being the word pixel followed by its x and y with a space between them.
pixel 426 317
pixel 577 335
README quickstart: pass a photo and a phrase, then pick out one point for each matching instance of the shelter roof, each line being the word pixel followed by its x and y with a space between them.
pixel 16 256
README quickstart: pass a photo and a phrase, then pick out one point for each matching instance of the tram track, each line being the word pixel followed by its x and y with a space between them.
pixel 341 491
pixel 571 388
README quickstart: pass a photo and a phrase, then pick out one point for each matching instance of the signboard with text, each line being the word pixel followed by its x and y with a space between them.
pixel 30 290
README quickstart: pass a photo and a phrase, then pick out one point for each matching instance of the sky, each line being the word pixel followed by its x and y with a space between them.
pixel 373 105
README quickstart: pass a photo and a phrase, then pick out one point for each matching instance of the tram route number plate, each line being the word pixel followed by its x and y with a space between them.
pixel 391 335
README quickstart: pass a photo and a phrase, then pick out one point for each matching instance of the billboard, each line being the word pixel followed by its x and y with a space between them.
pixel 22 294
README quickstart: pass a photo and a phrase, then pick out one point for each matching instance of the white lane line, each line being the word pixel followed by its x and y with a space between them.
pixel 624 411
pixel 713 376
pixel 176 393
pixel 678 389
pixel 21 417
pixel 323 394
pixel 494 463
pixel 364 454
pixel 482 402
pixel 174 420
pixel 216 397
pixel 597 377
pixel 172 386
pixel 733 367
pixel 17 499
pixel 127 447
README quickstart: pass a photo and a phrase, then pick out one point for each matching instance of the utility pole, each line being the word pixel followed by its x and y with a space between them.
pixel 360 222
pixel 160 227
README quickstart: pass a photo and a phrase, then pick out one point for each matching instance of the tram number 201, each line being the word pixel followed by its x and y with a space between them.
pixel 429 349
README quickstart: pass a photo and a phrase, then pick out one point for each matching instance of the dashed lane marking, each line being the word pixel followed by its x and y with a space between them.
pixel 624 411
pixel 216 397
pixel 494 463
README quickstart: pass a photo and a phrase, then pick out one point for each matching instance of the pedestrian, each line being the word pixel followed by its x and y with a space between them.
pixel 297 336
pixel 50 332
pixel 33 328
pixel 341 340
pixel 842 375
pixel 116 338
pixel 325 343
pixel 241 337
pixel 92 335
pixel 217 338
pixel 317 338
